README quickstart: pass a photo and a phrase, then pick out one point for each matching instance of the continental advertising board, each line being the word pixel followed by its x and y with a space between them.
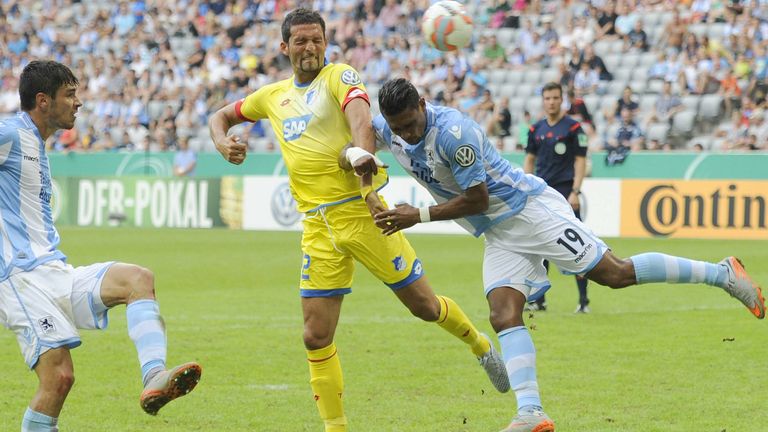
pixel 714 209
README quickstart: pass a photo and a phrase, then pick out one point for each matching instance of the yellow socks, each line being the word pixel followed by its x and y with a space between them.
pixel 455 322
pixel 327 384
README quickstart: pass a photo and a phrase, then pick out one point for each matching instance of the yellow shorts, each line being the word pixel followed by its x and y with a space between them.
pixel 336 236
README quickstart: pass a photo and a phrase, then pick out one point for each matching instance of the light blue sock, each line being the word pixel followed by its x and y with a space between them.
pixel 147 331
pixel 34 421
pixel 520 358
pixel 657 267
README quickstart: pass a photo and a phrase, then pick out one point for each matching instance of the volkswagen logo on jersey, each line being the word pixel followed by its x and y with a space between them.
pixel 465 155
pixel 350 77
pixel 295 126
pixel 284 206
pixel 560 148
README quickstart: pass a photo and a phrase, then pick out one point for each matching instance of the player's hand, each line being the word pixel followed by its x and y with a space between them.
pixel 232 149
pixel 375 206
pixel 363 162
pixel 573 200
pixel 399 218
pixel 368 164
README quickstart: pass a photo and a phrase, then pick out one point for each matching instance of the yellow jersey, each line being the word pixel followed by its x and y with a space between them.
pixel 310 125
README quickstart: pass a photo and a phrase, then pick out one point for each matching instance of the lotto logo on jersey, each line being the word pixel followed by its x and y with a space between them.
pixel 295 126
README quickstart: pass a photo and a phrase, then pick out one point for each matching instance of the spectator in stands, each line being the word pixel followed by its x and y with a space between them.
pixel 628 136
pixel 595 62
pixel 606 22
pixel 522 128
pixel 536 51
pixel 574 106
pixel 625 20
pixel 674 33
pixel 494 53
pixel 500 123
pixel 637 38
pixel 586 79
pixel 184 160
pixel 730 91
pixel 626 101
pixel 666 106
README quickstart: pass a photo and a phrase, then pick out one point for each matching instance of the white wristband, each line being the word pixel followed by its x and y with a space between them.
pixel 355 153
pixel 424 214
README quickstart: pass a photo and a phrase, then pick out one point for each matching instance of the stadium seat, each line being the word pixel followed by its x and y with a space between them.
pixel 533 76
pixel 646 102
pixel 655 86
pixel 498 76
pixel 550 75
pixel 710 107
pixel 517 106
pixel 640 73
pixel 647 59
pixel 612 60
pixel 623 74
pixel 657 131
pixel 524 89
pixel 691 102
pixel 616 87
pixel 592 101
pixel 515 76
pixel 534 106
pixel 506 36
pixel 507 90
pixel 630 59
pixel 683 123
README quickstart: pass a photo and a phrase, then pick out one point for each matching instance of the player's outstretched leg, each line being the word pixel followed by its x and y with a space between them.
pixel 651 267
pixel 134 286
pixel 423 303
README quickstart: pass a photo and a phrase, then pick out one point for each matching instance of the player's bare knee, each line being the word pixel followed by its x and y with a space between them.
pixel 60 382
pixel 316 339
pixel 504 319
pixel 142 283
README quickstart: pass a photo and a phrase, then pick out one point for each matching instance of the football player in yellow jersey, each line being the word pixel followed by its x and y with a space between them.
pixel 315 114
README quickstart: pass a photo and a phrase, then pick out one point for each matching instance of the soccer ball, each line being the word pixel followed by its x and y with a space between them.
pixel 446 26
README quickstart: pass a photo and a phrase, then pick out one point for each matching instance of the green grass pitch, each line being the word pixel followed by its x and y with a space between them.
pixel 650 358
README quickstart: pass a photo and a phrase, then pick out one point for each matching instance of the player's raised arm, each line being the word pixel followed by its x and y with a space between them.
pixel 230 147
pixel 358 114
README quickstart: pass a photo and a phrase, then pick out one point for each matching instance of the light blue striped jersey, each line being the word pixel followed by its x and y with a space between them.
pixel 455 155
pixel 26 224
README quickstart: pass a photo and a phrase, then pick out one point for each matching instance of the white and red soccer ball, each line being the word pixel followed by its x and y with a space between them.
pixel 446 26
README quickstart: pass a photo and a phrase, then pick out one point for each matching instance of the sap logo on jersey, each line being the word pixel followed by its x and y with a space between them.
pixel 295 126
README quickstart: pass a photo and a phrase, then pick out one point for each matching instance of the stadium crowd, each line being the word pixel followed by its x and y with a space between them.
pixel 640 74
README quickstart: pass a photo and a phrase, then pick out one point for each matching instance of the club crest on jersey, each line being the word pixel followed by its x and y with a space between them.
pixel 295 126
pixel 399 263
pixel 311 96
pixel 465 155
pixel 455 131
pixel 350 77
pixel 47 324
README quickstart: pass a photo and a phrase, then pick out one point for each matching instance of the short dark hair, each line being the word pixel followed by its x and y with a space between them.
pixel 300 16
pixel 552 86
pixel 43 76
pixel 396 96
